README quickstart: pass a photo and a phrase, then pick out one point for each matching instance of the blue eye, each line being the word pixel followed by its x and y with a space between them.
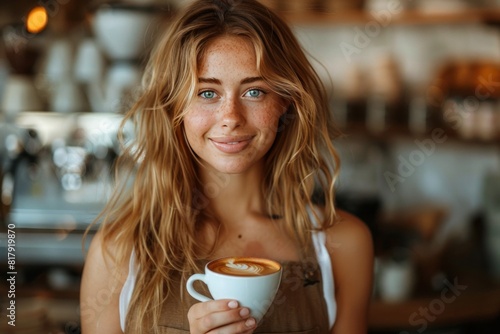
pixel 208 94
pixel 254 93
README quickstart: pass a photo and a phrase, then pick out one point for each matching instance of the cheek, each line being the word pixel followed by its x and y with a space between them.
pixel 270 120
pixel 194 127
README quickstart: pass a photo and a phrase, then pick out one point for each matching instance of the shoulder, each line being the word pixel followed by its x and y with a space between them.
pixel 348 234
pixel 103 255
pixel 349 243
pixel 102 281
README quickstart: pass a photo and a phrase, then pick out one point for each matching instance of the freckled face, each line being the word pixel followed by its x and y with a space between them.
pixel 232 122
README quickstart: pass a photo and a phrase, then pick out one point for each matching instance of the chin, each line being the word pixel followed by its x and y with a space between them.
pixel 230 168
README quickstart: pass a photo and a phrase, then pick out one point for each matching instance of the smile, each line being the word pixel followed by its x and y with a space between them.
pixel 231 145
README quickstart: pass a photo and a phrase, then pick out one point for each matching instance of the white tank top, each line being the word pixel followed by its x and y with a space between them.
pixel 322 256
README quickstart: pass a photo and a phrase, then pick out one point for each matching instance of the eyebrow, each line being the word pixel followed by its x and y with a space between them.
pixel 209 80
pixel 218 82
pixel 251 79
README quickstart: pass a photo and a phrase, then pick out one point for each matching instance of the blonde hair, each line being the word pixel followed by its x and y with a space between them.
pixel 159 214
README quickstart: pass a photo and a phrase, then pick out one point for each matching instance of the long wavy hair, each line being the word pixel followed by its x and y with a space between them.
pixel 158 210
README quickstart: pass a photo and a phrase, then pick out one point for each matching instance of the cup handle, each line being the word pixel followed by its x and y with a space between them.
pixel 190 288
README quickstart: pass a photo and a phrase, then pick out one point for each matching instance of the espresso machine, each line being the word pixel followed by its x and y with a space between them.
pixel 56 178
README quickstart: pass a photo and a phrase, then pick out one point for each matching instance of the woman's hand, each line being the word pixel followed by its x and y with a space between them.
pixel 224 315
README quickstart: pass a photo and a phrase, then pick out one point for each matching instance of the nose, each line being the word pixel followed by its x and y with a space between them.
pixel 231 113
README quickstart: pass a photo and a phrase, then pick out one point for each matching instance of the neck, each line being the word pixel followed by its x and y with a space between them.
pixel 234 195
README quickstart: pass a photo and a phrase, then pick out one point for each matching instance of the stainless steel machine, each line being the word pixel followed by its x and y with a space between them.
pixel 56 177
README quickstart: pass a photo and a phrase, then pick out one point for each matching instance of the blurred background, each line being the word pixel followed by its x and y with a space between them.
pixel 414 87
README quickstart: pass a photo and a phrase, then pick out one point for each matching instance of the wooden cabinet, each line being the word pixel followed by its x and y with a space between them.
pixel 479 301
pixel 371 25
pixel 460 304
pixel 486 16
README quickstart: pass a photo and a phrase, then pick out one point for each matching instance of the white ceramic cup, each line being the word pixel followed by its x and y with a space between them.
pixel 59 60
pixel 89 62
pixel 20 95
pixel 68 97
pixel 396 281
pixel 253 282
pixel 123 32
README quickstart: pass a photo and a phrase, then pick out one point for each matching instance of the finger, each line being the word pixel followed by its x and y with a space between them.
pixel 206 316
pixel 201 309
pixel 234 317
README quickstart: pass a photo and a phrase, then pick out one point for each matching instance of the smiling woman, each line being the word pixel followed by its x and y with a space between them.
pixel 233 121
pixel 233 136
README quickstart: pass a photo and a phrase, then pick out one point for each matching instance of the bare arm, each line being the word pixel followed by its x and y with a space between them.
pixel 100 291
pixel 350 245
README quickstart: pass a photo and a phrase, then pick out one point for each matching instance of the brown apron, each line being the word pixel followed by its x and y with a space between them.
pixel 299 306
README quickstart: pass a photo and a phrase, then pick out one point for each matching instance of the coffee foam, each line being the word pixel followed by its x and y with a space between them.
pixel 244 267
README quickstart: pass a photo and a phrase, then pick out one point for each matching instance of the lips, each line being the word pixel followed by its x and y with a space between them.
pixel 231 144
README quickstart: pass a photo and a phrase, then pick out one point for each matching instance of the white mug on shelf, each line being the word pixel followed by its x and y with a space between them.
pixel 89 62
pixel 58 61
pixel 20 95
pixel 396 279
pixel 116 89
pixel 68 97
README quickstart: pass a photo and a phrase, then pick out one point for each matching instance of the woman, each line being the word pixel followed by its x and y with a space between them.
pixel 232 138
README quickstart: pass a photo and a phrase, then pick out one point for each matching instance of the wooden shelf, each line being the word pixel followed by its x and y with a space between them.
pixel 396 132
pixel 404 18
pixel 469 306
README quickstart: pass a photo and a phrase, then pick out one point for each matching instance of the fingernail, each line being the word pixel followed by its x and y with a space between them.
pixel 232 304
pixel 250 322
pixel 244 312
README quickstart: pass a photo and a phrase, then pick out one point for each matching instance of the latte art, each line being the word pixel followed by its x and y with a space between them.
pixel 244 266
pixel 247 268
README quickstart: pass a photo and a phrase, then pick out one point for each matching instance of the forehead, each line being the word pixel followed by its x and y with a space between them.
pixel 226 52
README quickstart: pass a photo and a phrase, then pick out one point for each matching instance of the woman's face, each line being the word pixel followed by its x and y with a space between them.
pixel 232 122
